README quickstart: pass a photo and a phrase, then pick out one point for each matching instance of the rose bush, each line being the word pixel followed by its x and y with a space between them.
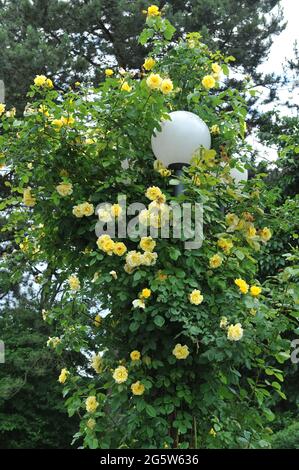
pixel 180 341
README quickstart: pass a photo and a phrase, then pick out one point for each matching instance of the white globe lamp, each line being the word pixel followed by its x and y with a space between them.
pixel 179 138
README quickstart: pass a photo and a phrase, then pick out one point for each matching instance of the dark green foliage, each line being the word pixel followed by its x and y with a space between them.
pixel 32 414
pixel 72 40
pixel 288 438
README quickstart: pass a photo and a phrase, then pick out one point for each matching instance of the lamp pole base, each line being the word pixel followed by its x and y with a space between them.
pixel 178 171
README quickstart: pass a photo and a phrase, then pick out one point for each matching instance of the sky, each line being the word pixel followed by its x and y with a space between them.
pixel 281 50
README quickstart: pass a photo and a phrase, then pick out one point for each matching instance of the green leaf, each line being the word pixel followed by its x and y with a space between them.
pixel 151 411
pixel 159 321
pixel 145 36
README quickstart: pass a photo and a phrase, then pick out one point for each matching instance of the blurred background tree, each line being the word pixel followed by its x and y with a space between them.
pixel 71 41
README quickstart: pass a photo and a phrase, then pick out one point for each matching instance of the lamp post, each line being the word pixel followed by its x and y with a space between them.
pixel 178 139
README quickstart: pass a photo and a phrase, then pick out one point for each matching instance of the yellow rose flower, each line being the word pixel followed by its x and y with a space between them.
pixel 145 293
pixel 255 290
pixel 215 130
pixel 137 388
pixel 109 72
pixel 119 248
pixel 53 342
pixel 265 234
pixel 135 355
pixel 235 332
pixel 116 210
pixel 2 108
pixel 78 211
pixel 216 68
pixel 165 172
pixel 88 209
pixel 208 82
pixel 84 209
pixel 126 87
pixel 250 231
pixel 215 261
pixel 120 374
pixel 91 424
pixel 149 63
pixel 64 189
pixel 91 404
pixel 40 80
pixel 147 244
pixel 195 297
pixel 106 244
pixel 148 258
pixel 49 83
pixel 231 219
pixel 133 259
pixel 153 193
pixel 97 321
pixel 28 199
pixel 154 81
pixel 153 10
pixel 243 286
pixel 223 322
pixel 166 86
pixel 97 363
pixel 74 283
pixel 225 244
pixel 180 352
pixel 138 303
pixel 63 376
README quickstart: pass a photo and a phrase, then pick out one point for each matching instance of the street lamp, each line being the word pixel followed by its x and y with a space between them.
pixel 178 139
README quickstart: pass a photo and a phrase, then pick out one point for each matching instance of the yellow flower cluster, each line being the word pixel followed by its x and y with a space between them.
pixel 91 404
pixel 91 424
pixel 53 342
pixel 126 87
pixel 97 363
pixel 97 321
pixel 106 244
pixel 196 297
pixel 149 63
pixel 137 388
pixel 28 199
pixel 64 189
pixel 235 332
pixel 181 352
pixel 155 82
pixel 63 121
pixel 215 261
pixel 246 225
pixel 161 169
pixel 74 283
pixel 63 376
pixel 153 10
pixel 225 244
pixel 85 209
pixel 43 81
pixel 215 129
pixel 244 288
pixel 120 374
pixel 135 355
pixel 135 259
